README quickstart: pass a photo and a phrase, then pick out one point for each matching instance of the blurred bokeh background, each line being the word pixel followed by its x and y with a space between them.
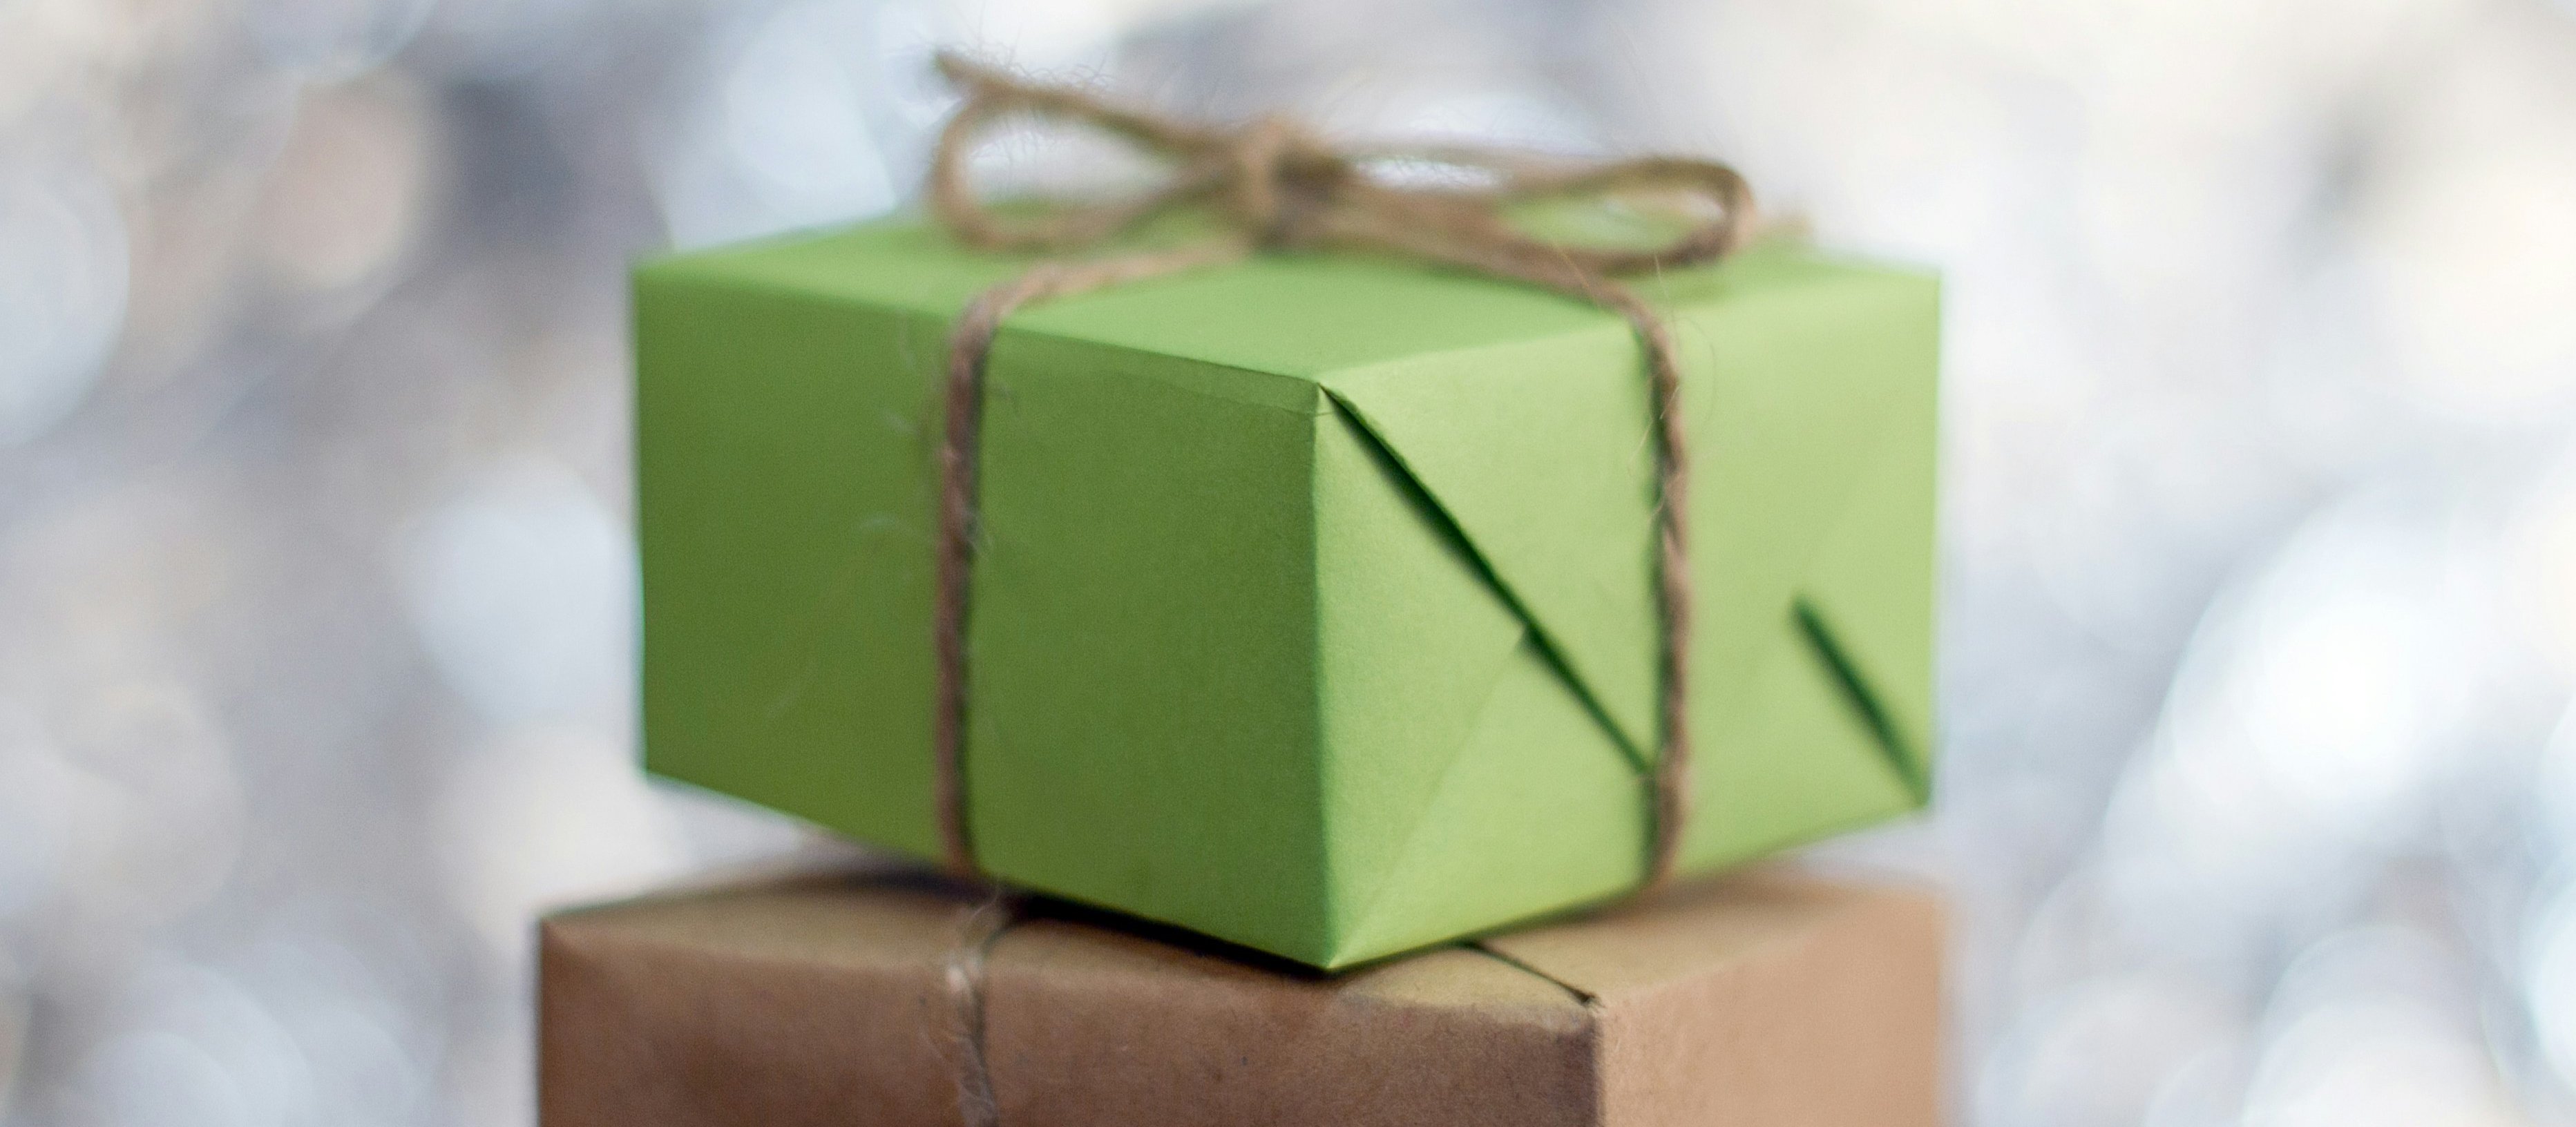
pixel 317 586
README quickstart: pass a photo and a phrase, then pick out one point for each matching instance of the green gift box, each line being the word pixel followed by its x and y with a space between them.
pixel 1313 602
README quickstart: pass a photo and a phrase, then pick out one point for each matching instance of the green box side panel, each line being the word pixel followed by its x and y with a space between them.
pixel 1143 728
pixel 1460 771
pixel 1539 812
pixel 1537 452
pixel 1792 764
pixel 1875 578
pixel 1798 424
pixel 783 520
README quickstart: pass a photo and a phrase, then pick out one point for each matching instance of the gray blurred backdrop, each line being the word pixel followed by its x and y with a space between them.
pixel 317 590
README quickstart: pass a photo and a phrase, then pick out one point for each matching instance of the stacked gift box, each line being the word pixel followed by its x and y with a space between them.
pixel 1314 672
pixel 1763 1000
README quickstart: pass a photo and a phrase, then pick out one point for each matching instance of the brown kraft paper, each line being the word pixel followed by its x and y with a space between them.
pixel 1767 999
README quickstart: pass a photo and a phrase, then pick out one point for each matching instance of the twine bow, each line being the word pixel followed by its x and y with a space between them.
pixel 1274 185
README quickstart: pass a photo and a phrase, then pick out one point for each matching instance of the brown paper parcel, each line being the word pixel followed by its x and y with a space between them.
pixel 1767 998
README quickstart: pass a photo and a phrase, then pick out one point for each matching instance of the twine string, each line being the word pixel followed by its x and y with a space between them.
pixel 1274 185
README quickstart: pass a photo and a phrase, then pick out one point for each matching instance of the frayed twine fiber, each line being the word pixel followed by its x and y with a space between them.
pixel 963 977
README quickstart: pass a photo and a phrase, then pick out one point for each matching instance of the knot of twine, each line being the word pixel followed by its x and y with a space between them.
pixel 1274 185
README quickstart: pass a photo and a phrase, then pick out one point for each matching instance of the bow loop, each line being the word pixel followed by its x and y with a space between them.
pixel 992 96
pixel 1711 202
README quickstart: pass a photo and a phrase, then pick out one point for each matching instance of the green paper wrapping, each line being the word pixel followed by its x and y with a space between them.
pixel 1313 604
